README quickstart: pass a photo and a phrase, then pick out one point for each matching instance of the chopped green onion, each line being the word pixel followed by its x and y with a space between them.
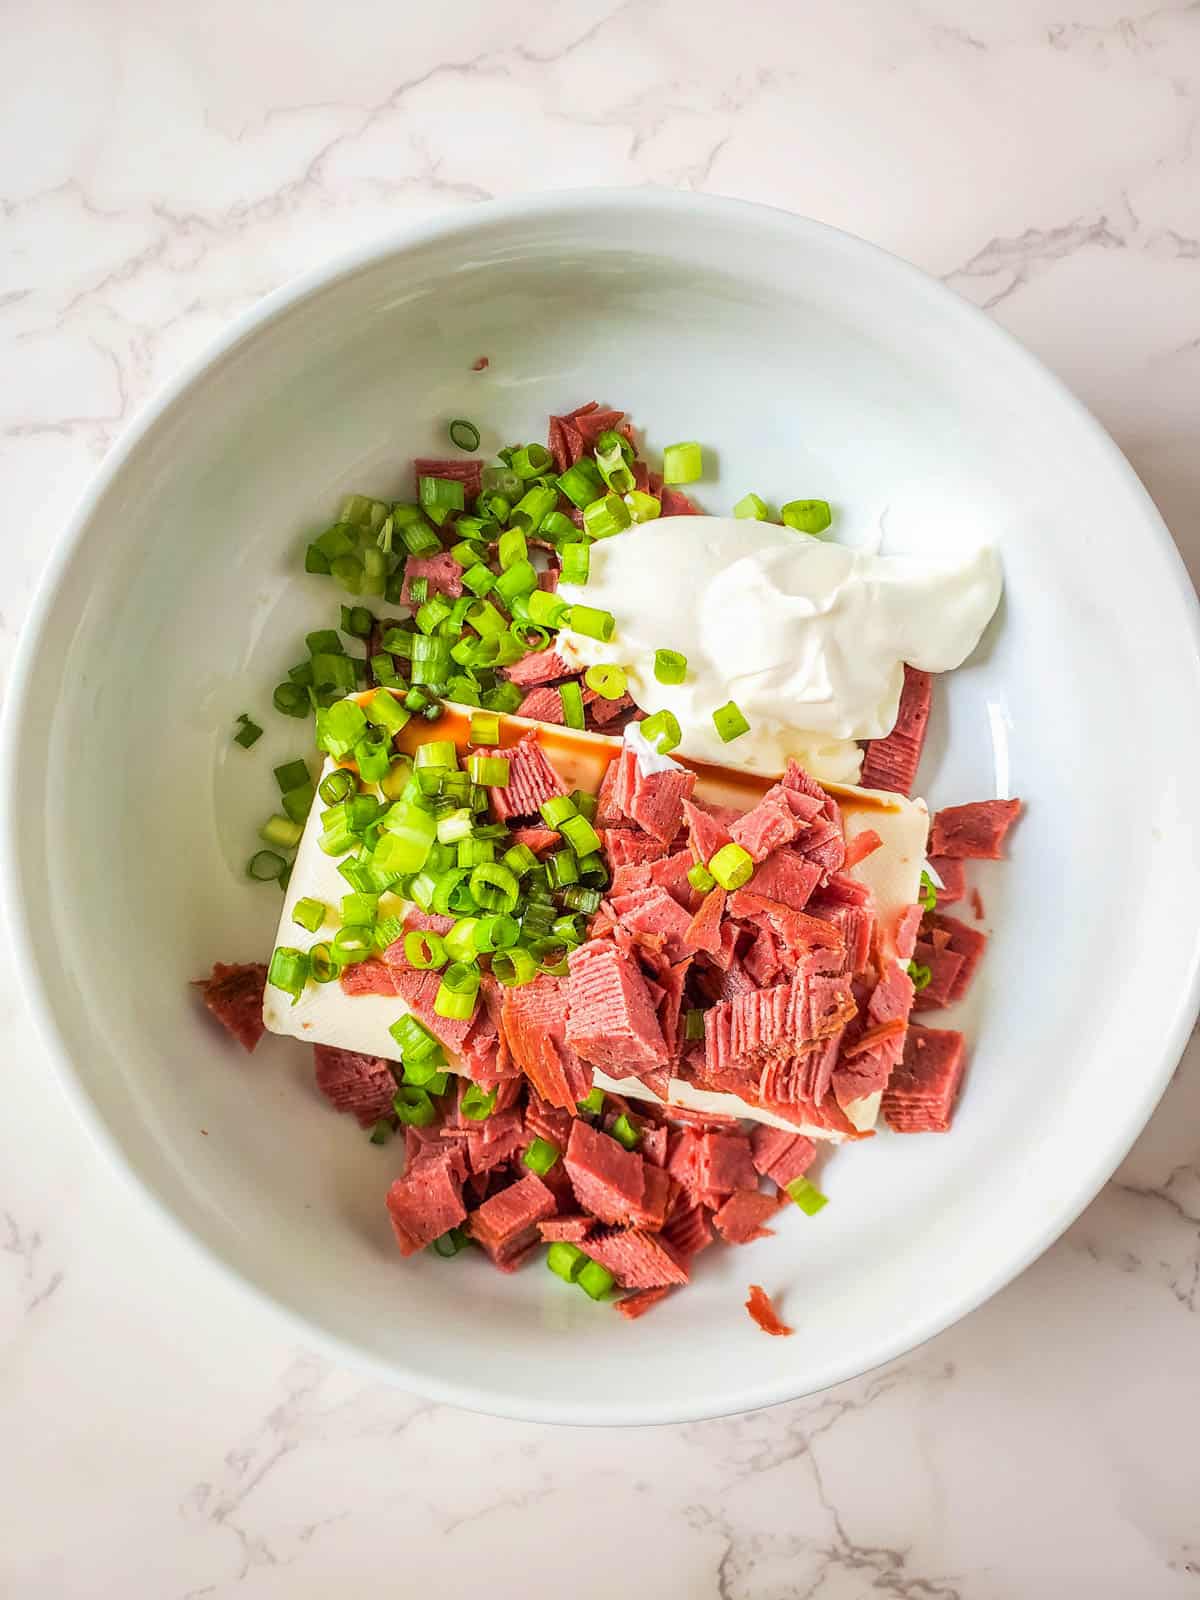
pixel 397 778
pixel 308 914
pixel 605 517
pixel 265 866
pixel 624 1132
pixel 477 1104
pixel 348 570
pixel 546 610
pixel 541 1156
pixel 455 826
pixel 381 1131
pixel 324 642
pixel 413 1106
pixel 424 950
pixel 566 1260
pixel 497 932
pixel 297 803
pixel 292 699
pixel 360 909
pixel 334 670
pixel 500 480
pixel 581 483
pixel 732 866
pixel 576 562
pixel 528 460
pixel 519 579
pixel 529 635
pixel 340 727
pixel 337 540
pixel 373 757
pixel 357 621
pixel 807 1196
pixel 486 620
pixel 352 944
pixel 462 941
pixel 479 579
pixel 683 463
pixel 701 878
pixel 282 832
pixel 440 495
pixel 595 1280
pixel 484 729
pixel 455 998
pixel 427 1075
pixel 729 721
pixel 580 899
pixel 593 1103
pixel 751 508
pixel 516 967
pixel 594 624
pixel 490 771
pixel 670 666
pixel 921 976
pixel 613 463
pixel 556 810
pixel 337 785
pixel 807 516
pixel 321 960
pixel 494 886
pixel 288 971
pixel 291 776
pixel 563 868
pixel 520 859
pixel 581 836
pixel 464 434
pixel 512 548
pixel 249 733
pixel 662 730
pixel 571 697
pixel 608 681
pixel 315 560
pixel 559 528
pixel 693 1026
pixel 505 697
pixel 534 505
pixel 928 893
pixel 643 507
pixel 450 1243
pixel 415 1040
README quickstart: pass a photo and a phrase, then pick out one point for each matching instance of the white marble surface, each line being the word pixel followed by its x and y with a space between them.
pixel 162 165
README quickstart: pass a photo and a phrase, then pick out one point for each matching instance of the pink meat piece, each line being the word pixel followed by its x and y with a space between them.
pixel 637 1304
pixel 543 666
pixel 740 1220
pixel 653 1148
pixel 769 1146
pixel 544 1121
pixel 653 911
pixel 572 1229
pixel 627 847
pixel 362 1085
pixel 539 840
pixel 609 1181
pixel 653 800
pixel 442 572
pixel 542 705
pixel 861 1071
pixel 892 762
pixel 703 932
pixel 534 1021
pixel 611 1021
pixel 962 940
pixel 369 977
pixel 855 926
pixel 762 959
pixel 635 876
pixel 787 878
pixel 672 978
pixel 976 831
pixel 953 875
pixel 723 1162
pixel 608 811
pixel 604 712
pixel 907 927
pixel 637 1260
pixel 776 1022
pixel 769 825
pixel 671 874
pixel 495 1140
pixel 706 834
pixel 234 995
pixel 531 779
pixel 921 1094
pixel 824 843
pixel 677 504
pixel 507 1224
pixel 426 1203
pixel 797 931
pixel 469 473
pixel 424 922
pixel 688 1231
pixel 944 967
pixel 592 421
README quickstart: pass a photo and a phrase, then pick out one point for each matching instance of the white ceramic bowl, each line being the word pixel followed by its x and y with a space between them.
pixel 809 363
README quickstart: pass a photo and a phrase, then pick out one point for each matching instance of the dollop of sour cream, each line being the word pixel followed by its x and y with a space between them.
pixel 809 638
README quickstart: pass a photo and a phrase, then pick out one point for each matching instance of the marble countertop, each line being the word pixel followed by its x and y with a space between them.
pixel 161 166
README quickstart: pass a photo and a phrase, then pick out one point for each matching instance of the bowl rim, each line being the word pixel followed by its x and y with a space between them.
pixel 461 224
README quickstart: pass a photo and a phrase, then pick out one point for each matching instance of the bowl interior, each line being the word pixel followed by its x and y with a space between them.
pixel 809 364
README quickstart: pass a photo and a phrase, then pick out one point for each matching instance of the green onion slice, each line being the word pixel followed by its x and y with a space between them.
pixel 730 722
pixel 464 434
pixel 807 1196
pixel 683 463
pixel 662 730
pixel 609 682
pixel 732 866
